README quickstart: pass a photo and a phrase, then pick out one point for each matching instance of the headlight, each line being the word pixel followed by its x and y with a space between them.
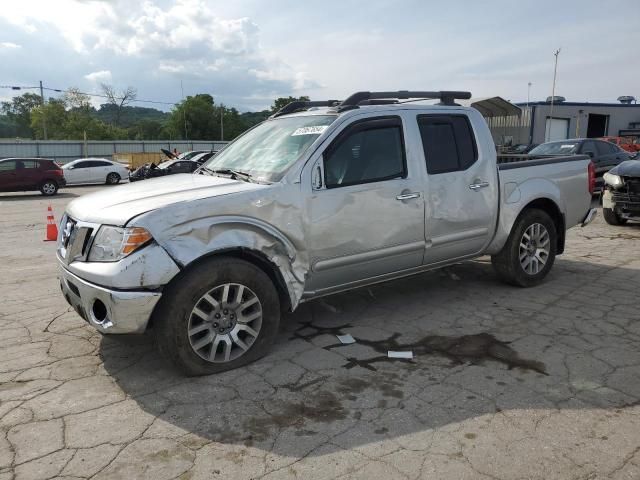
pixel 114 243
pixel 614 180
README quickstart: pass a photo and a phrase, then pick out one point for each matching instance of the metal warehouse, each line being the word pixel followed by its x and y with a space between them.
pixel 535 124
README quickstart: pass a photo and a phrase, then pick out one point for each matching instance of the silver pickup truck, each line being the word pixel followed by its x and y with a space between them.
pixel 322 197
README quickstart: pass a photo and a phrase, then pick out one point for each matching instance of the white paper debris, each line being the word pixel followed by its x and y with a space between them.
pixel 346 339
pixel 405 355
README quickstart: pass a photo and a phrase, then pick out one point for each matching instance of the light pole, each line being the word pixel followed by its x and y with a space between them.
pixel 553 94
pixel 529 93
pixel 222 122
pixel 44 112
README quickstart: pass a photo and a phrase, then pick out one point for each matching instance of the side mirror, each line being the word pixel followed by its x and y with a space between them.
pixel 591 154
pixel 316 179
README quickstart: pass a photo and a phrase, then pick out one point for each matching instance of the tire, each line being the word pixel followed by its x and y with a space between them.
pixel 113 178
pixel 531 270
pixel 187 339
pixel 612 218
pixel 49 188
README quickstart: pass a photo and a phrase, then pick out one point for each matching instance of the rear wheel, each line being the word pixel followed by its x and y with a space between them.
pixel 220 315
pixel 530 250
pixel 612 218
pixel 113 178
pixel 48 188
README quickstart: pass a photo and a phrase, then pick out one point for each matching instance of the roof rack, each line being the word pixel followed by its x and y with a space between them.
pixel 300 105
pixel 375 98
pixel 445 97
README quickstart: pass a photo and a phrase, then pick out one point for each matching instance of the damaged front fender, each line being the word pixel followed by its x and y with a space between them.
pixel 191 232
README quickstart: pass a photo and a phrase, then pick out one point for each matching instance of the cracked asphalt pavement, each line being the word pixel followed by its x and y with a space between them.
pixel 506 383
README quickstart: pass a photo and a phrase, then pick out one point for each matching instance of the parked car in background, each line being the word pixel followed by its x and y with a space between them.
pixel 24 174
pixel 184 155
pixel 605 155
pixel 629 144
pixel 309 203
pixel 170 167
pixel 520 148
pixel 94 170
pixel 621 196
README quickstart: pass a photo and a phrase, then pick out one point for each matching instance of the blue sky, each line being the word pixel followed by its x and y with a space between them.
pixel 246 52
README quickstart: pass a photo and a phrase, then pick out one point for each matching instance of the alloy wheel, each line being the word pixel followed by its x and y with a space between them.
pixel 534 249
pixel 225 322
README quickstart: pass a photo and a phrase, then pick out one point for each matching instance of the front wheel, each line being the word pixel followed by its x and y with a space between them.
pixel 612 218
pixel 221 314
pixel 530 250
pixel 113 178
pixel 49 188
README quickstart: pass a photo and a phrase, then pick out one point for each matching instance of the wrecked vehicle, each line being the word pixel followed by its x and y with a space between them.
pixel 170 167
pixel 322 197
pixel 621 196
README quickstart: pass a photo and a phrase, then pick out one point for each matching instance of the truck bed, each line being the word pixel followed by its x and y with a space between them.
pixel 507 162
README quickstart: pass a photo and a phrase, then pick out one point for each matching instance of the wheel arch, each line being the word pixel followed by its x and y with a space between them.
pixel 254 257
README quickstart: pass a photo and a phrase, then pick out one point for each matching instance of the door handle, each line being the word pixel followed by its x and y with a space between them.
pixel 407 196
pixel 478 185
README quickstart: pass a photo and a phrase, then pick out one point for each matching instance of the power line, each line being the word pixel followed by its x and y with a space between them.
pixel 20 87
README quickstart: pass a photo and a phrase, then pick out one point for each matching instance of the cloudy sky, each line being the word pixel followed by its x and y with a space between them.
pixel 246 52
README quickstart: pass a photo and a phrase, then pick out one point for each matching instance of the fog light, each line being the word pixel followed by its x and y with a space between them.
pixel 99 311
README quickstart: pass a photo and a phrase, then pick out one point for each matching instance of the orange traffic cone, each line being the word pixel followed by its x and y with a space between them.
pixel 52 228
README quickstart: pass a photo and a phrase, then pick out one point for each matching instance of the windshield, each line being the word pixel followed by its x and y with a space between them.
pixel 556 148
pixel 268 150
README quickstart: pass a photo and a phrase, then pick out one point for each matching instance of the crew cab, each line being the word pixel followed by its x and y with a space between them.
pixel 322 197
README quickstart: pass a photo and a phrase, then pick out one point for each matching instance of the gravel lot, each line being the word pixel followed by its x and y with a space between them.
pixel 507 383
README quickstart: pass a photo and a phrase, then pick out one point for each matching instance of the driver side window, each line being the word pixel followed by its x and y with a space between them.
pixel 367 151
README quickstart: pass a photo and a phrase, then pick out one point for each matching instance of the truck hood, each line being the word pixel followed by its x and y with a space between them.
pixel 118 205
pixel 628 168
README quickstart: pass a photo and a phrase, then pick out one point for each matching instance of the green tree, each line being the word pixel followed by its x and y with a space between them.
pixel 56 116
pixel 71 118
pixel 282 101
pixel 18 113
pixel 197 115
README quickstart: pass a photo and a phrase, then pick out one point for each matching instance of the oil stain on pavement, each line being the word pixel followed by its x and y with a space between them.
pixel 474 349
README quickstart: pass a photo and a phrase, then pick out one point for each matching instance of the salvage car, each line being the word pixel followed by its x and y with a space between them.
pixel 321 198
pixel 170 167
pixel 621 197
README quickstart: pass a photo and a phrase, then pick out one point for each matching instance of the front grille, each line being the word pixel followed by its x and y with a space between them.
pixel 75 239
pixel 627 197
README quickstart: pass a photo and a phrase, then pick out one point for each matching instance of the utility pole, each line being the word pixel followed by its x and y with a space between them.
pixel 44 116
pixel 184 111
pixel 222 124
pixel 553 94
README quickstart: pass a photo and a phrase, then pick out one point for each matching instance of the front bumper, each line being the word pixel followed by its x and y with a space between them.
pixel 108 311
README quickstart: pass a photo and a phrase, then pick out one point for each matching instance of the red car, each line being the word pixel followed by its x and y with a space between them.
pixel 24 174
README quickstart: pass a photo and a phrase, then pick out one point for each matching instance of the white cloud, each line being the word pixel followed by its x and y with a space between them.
pixel 164 39
pixel 9 45
pixel 101 76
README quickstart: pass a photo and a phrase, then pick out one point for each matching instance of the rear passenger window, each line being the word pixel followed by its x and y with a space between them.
pixel 448 143
pixel 606 148
pixel 369 151
pixel 31 164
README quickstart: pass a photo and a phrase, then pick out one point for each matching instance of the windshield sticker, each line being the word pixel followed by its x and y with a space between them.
pixel 317 130
pixel 567 146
